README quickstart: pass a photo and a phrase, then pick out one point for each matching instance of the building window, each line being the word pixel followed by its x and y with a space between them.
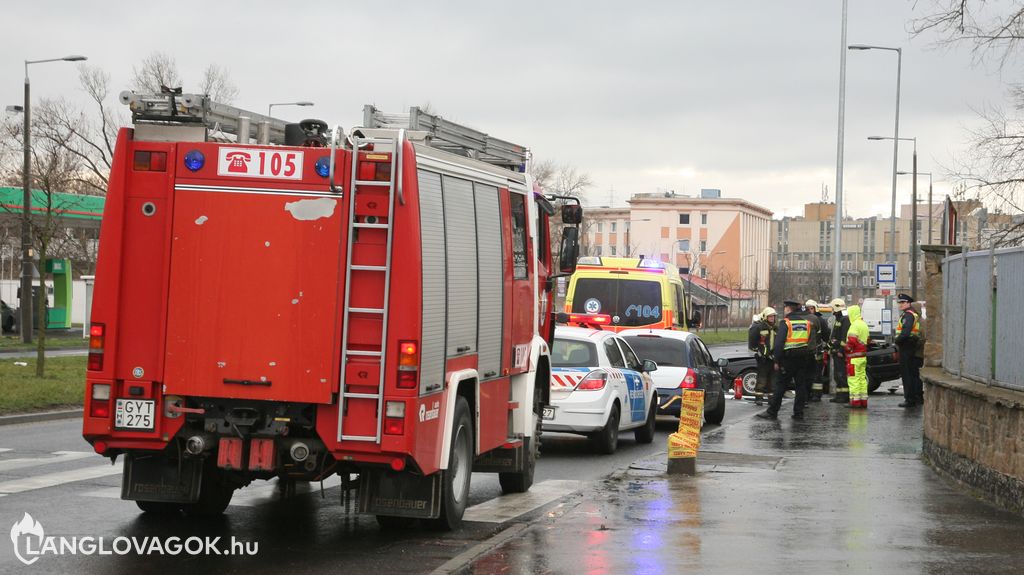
pixel 612 250
pixel 597 251
pixel 613 228
pixel 703 272
pixel 704 219
pixel 703 246
pixel 600 227
pixel 684 245
pixel 684 219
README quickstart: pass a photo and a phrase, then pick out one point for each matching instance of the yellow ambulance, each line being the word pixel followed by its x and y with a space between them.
pixel 631 292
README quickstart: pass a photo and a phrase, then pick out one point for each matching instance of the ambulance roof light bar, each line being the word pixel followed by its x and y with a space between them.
pixel 451 137
pixel 171 107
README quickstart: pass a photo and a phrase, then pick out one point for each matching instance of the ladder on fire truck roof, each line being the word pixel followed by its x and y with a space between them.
pixel 451 137
pixel 372 262
pixel 174 108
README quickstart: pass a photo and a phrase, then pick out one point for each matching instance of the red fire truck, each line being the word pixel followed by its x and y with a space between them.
pixel 376 305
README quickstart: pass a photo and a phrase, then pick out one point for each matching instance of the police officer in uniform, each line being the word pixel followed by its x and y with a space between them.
pixel 837 350
pixel 761 341
pixel 907 339
pixel 795 340
pixel 819 383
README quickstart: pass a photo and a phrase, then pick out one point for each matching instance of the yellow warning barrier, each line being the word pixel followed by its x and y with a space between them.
pixel 685 442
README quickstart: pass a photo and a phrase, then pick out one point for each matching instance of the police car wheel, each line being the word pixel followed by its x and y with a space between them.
pixel 645 434
pixel 608 438
pixel 455 479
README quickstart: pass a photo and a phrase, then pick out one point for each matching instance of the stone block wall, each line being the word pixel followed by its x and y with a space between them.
pixel 975 434
pixel 933 292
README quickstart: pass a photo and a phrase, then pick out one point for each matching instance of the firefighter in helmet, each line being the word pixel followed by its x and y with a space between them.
pixel 837 350
pixel 795 341
pixel 856 358
pixel 907 339
pixel 761 340
pixel 819 383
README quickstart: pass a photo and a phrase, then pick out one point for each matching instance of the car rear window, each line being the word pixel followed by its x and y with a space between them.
pixel 573 353
pixel 661 350
pixel 634 302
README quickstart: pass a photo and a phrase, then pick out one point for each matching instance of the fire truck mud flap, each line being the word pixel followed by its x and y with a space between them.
pixel 156 477
pixel 400 494
pixel 502 460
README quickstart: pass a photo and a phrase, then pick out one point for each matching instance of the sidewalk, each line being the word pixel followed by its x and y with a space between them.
pixel 842 491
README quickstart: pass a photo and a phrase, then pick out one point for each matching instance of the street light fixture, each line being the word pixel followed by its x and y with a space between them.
pixel 302 103
pixel 895 147
pixel 25 301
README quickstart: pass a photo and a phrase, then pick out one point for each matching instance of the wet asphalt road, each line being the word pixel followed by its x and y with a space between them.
pixel 306 532
pixel 840 492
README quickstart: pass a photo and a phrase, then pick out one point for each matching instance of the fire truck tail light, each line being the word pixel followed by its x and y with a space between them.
pixel 99 406
pixel 394 420
pixel 97 337
pixel 150 162
pixel 408 364
pixel 375 171
pixel 594 381
pixel 395 409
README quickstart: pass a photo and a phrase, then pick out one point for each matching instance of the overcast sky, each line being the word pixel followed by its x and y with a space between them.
pixel 740 95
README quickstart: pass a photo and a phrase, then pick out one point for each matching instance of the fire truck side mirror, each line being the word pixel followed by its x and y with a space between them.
pixel 572 214
pixel 570 250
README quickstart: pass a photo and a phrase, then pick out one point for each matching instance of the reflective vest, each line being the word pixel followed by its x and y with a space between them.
pixel 916 330
pixel 798 335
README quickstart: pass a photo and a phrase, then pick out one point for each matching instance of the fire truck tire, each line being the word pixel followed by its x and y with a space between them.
pixel 521 481
pixel 214 494
pixel 159 507
pixel 645 434
pixel 455 479
pixel 607 439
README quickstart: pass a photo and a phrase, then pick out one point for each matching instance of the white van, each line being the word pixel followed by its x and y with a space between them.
pixel 871 312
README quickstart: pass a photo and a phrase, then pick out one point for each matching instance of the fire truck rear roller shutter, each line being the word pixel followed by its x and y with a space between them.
pixel 434 281
pixel 460 240
pixel 489 251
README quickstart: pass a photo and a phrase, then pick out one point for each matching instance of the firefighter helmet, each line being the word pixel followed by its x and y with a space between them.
pixel 838 304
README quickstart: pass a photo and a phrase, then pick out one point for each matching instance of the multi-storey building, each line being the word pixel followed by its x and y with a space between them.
pixel 723 240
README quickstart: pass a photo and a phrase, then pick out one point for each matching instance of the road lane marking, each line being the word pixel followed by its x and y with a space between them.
pixel 54 479
pixel 506 507
pixel 59 457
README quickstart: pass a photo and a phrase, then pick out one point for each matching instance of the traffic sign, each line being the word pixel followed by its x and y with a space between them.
pixel 885 274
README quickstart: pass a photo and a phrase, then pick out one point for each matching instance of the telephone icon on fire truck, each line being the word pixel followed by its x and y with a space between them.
pixel 238 162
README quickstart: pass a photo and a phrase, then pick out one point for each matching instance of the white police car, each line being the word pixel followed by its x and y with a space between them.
pixel 599 387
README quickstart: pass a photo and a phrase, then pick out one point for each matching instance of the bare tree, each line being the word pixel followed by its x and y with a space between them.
pixel 216 84
pixel 156 71
pixel 993 166
pixel 563 180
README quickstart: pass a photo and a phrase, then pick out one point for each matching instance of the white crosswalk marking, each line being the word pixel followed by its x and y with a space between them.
pixel 501 509
pixel 53 479
pixel 58 457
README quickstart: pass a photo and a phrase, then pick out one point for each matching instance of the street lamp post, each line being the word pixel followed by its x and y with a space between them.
pixel 25 301
pixel 915 173
pixel 895 150
pixel 270 107
pixel 913 210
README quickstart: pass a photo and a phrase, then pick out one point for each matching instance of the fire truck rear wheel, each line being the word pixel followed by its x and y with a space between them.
pixel 521 481
pixel 159 507
pixel 214 494
pixel 455 479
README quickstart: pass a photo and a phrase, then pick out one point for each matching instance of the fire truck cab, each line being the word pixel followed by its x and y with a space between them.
pixel 375 304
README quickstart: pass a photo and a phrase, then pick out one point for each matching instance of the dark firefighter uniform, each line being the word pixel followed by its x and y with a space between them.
pixel 761 341
pixel 907 339
pixel 837 350
pixel 819 384
pixel 795 341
